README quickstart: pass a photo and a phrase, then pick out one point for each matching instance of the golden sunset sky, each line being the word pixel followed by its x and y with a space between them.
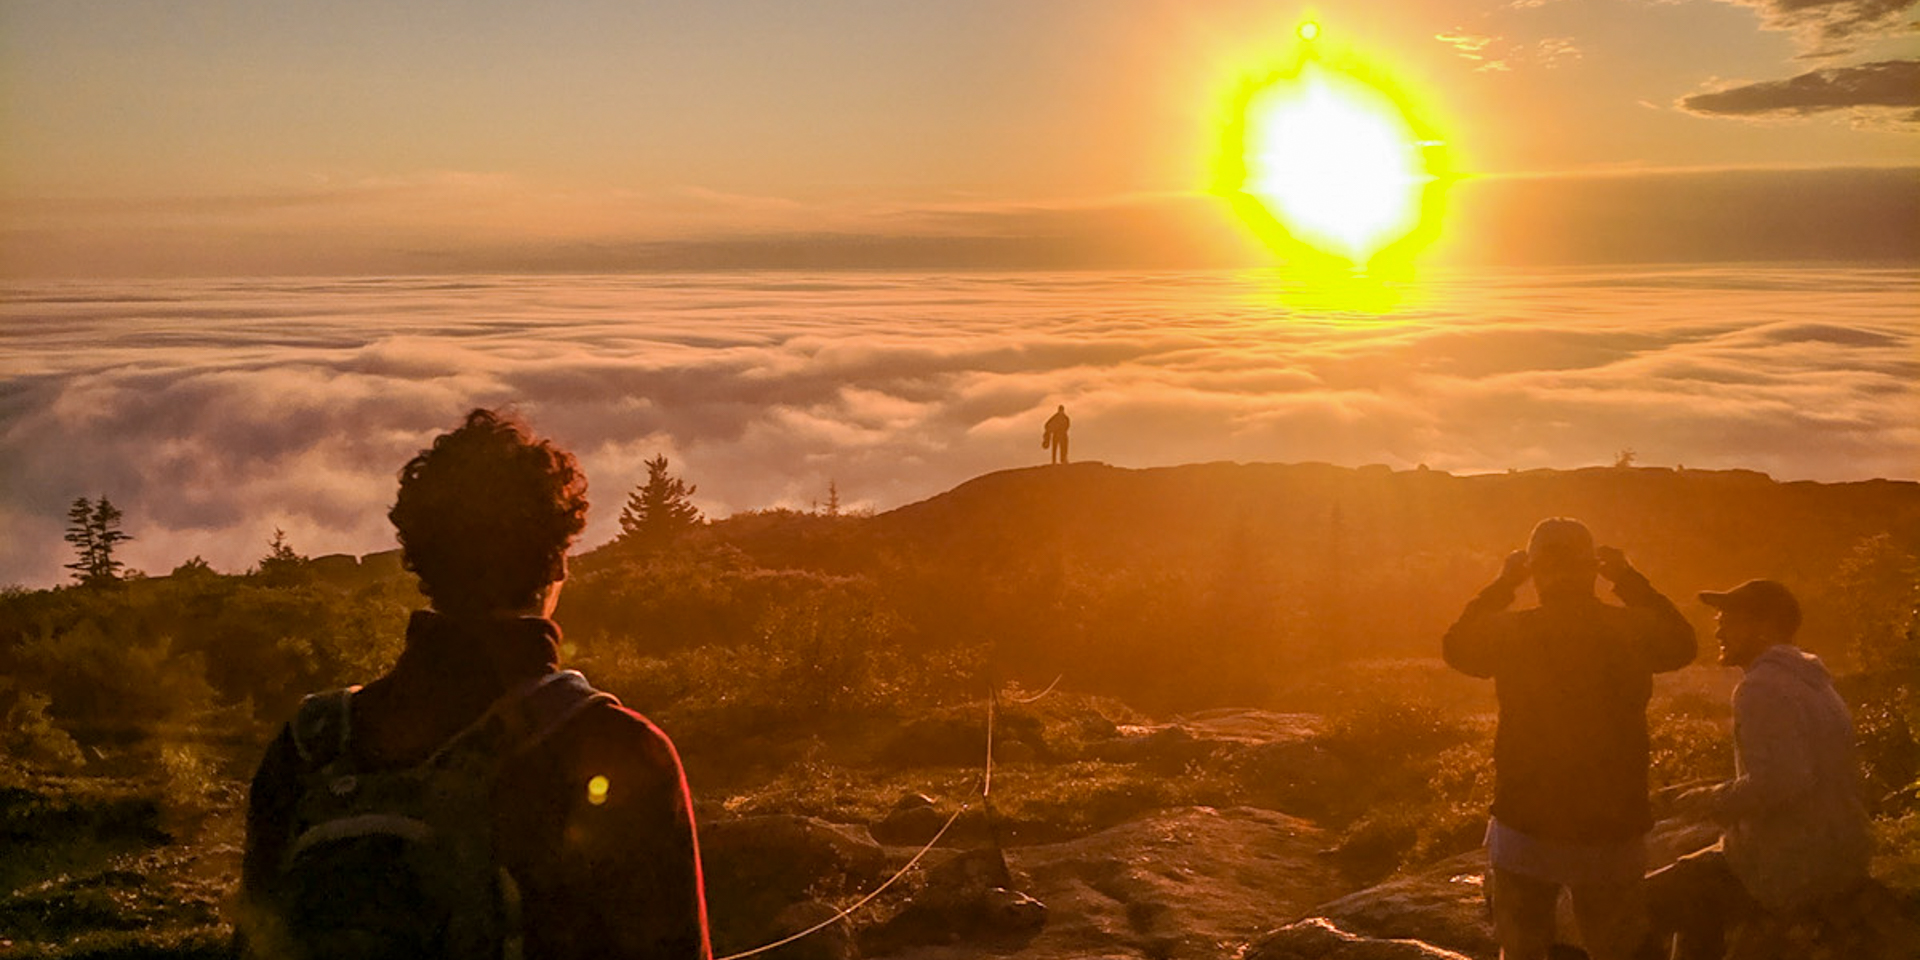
pixel 218 137
pixel 254 255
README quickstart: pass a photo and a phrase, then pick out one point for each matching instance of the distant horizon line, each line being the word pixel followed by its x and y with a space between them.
pixel 1863 213
pixel 1471 268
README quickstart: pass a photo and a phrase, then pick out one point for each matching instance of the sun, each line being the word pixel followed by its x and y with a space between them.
pixel 1326 164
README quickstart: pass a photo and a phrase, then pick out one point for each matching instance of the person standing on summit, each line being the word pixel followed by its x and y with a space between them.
pixel 1055 437
pixel 1572 677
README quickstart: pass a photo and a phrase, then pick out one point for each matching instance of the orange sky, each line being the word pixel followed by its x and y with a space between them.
pixel 220 136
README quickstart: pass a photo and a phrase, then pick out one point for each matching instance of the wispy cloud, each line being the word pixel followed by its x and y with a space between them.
pixel 1473 46
pixel 1497 54
pixel 1887 90
pixel 214 412
pixel 1826 28
pixel 1554 51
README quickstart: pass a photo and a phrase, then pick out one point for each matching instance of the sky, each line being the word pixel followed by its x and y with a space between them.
pixel 239 137
pixel 254 253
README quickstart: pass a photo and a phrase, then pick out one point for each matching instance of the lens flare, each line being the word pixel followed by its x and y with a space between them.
pixel 1331 167
pixel 1336 162
pixel 597 790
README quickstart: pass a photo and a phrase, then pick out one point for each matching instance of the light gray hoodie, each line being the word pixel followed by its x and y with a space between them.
pixel 1796 831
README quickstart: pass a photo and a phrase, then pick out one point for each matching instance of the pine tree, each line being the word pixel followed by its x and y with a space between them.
pixel 660 510
pixel 283 566
pixel 107 534
pixel 80 534
pixel 94 530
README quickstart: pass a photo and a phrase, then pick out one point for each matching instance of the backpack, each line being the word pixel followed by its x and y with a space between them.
pixel 399 863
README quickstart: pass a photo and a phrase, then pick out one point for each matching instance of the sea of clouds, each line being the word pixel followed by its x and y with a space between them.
pixel 215 412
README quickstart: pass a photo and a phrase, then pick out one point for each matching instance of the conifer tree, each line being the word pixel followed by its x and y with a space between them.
pixel 94 530
pixel 80 534
pixel 283 566
pixel 659 510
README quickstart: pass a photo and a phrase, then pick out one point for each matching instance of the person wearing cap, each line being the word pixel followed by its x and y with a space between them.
pixel 1794 829
pixel 1572 676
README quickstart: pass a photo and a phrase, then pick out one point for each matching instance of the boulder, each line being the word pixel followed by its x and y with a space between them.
pixel 1442 907
pixel 1180 884
pixel 966 898
pixel 914 820
pixel 832 942
pixel 1167 748
pixel 1870 922
pixel 1321 939
pixel 759 867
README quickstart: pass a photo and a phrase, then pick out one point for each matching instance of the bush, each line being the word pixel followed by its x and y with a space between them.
pixel 28 736
pixel 1391 732
pixel 1685 749
pixel 116 684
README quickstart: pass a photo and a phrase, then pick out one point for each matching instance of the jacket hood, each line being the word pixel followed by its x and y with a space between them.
pixel 1794 662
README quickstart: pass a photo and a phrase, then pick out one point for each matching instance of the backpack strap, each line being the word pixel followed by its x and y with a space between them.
pixel 558 698
pixel 528 714
pixel 323 726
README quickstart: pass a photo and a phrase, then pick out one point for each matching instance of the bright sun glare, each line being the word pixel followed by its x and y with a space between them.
pixel 1335 162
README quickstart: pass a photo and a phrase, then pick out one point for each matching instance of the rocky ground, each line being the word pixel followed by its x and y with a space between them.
pixel 121 875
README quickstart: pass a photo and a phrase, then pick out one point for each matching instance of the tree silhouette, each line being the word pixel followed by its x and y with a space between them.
pixel 94 530
pixel 283 566
pixel 660 510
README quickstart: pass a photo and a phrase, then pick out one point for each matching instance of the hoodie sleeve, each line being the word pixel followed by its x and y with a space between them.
pixel 1770 741
pixel 1474 643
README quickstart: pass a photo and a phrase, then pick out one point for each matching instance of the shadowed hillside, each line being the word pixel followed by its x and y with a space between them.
pixel 1200 585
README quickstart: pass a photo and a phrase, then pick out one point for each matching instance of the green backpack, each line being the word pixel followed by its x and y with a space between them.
pixel 399 863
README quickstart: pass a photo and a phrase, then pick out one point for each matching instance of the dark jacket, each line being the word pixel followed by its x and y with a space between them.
pixel 612 880
pixel 1573 679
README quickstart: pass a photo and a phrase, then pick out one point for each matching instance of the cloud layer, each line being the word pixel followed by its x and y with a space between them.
pixel 214 412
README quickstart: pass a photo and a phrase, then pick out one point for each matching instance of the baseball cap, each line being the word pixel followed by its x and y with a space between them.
pixel 1768 599
pixel 1560 537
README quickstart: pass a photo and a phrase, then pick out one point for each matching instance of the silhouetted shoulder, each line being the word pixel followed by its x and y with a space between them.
pixel 616 730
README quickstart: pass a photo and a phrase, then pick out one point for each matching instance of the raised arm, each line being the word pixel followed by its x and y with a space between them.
pixel 1472 645
pixel 1665 637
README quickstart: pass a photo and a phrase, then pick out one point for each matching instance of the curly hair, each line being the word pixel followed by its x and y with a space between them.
pixel 486 514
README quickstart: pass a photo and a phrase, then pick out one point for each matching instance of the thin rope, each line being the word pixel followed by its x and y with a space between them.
pixel 986 789
pixel 1037 696
pixel 986 782
pixel 842 915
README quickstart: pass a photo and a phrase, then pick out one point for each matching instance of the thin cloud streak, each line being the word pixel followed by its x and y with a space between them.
pixel 1887 85
pixel 214 412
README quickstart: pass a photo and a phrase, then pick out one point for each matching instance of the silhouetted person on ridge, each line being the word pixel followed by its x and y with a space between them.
pixel 1796 831
pixel 1055 435
pixel 1572 677
pixel 475 801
